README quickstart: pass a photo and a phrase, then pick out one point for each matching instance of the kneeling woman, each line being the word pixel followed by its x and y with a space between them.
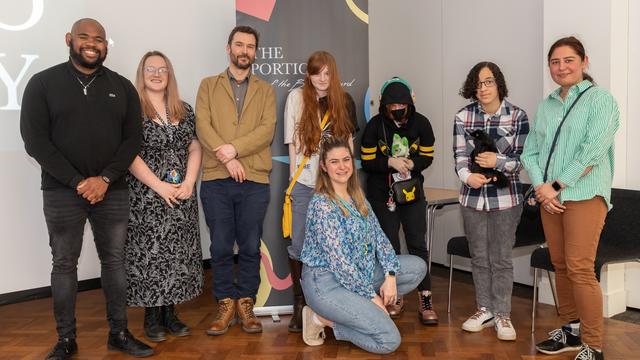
pixel 350 268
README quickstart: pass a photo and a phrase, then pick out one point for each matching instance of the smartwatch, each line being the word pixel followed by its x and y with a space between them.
pixel 390 273
pixel 556 186
pixel 106 179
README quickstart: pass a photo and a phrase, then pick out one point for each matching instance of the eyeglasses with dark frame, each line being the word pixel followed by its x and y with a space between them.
pixel 487 83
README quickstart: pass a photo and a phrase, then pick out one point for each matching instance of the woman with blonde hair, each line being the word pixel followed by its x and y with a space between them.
pixel 350 268
pixel 319 110
pixel 163 252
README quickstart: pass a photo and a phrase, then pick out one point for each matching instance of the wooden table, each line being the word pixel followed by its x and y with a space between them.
pixel 436 199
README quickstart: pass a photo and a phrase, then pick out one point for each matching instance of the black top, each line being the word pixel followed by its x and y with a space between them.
pixel 349 104
pixel 376 146
pixel 72 135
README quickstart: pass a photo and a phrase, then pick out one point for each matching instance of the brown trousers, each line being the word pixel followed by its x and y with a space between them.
pixel 573 238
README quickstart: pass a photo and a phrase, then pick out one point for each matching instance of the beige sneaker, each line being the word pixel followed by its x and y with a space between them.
pixel 505 329
pixel 312 334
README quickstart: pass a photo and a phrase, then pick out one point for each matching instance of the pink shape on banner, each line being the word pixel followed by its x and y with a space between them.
pixel 261 9
pixel 275 282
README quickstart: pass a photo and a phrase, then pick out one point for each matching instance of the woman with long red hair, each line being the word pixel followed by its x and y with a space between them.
pixel 320 97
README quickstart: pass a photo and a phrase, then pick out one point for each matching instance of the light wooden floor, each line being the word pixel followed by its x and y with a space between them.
pixel 27 331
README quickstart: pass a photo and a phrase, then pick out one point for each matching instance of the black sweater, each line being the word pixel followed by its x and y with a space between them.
pixel 375 150
pixel 74 136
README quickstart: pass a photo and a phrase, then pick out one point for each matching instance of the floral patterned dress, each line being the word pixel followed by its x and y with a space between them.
pixel 163 252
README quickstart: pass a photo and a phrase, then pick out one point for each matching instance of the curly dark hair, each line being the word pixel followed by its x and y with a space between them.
pixel 470 86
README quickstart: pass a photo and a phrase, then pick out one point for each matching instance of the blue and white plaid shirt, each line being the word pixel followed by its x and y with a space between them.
pixel 509 128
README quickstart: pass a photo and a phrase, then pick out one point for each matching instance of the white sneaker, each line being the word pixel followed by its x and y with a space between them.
pixel 504 328
pixel 481 319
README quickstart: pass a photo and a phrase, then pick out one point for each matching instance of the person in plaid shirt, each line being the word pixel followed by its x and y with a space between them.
pixel 491 214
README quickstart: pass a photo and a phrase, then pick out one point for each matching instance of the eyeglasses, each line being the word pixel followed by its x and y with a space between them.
pixel 487 83
pixel 152 70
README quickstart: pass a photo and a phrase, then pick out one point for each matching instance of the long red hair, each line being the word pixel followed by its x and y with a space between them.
pixel 308 129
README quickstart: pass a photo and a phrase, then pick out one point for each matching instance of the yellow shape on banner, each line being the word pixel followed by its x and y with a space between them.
pixel 265 287
pixel 357 11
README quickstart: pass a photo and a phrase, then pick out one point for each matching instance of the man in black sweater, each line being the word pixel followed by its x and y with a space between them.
pixel 82 123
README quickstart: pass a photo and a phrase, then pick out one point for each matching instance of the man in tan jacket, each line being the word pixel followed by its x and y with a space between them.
pixel 235 122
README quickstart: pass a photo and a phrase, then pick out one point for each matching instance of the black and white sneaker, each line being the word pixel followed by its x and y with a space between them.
pixel 560 340
pixel 587 353
pixel 481 319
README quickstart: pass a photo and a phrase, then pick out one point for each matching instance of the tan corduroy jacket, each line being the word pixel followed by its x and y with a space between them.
pixel 251 134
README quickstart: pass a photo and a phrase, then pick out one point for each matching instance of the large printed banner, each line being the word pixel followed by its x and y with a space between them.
pixel 290 30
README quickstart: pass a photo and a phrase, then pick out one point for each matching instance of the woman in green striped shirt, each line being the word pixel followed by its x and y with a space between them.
pixel 574 190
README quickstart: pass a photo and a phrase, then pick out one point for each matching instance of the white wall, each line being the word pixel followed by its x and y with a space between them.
pixel 433 44
pixel 193 34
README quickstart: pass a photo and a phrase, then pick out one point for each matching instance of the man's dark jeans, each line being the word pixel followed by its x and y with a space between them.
pixel 235 212
pixel 66 214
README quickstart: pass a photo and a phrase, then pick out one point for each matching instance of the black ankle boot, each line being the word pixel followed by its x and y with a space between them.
pixel 295 325
pixel 153 328
pixel 171 322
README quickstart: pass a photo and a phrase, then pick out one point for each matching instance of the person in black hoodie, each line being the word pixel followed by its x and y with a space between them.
pixel 397 144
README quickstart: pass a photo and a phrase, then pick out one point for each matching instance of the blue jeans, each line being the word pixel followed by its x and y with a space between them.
pixel 66 214
pixel 234 213
pixel 413 218
pixel 355 318
pixel 300 198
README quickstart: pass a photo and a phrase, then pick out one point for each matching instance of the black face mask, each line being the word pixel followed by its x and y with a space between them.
pixel 399 114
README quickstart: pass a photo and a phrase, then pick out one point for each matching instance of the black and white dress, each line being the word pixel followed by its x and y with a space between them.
pixel 163 253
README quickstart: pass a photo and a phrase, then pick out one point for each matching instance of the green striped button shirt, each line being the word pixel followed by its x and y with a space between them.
pixel 586 139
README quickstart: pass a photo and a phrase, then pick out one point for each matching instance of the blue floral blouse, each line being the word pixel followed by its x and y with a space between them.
pixel 348 246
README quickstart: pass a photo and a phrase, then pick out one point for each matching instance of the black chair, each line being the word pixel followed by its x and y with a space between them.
pixel 529 232
pixel 540 260
pixel 619 241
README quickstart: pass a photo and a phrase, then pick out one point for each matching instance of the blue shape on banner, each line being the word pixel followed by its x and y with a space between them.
pixel 367 105
pixel 285 160
pixel 282 159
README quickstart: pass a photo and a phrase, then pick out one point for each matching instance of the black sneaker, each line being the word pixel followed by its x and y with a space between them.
pixel 126 343
pixel 560 340
pixel 63 350
pixel 587 353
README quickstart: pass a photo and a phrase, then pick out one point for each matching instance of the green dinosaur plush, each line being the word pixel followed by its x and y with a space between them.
pixel 400 147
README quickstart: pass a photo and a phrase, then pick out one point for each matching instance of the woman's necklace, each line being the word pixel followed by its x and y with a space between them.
pixel 84 87
pixel 165 122
pixel 354 212
pixel 172 175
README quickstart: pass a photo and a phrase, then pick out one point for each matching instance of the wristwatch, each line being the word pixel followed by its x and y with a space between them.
pixel 390 273
pixel 556 186
pixel 106 179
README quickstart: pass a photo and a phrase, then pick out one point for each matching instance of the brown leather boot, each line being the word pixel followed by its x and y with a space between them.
pixel 225 318
pixel 295 324
pixel 426 313
pixel 250 322
pixel 396 309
